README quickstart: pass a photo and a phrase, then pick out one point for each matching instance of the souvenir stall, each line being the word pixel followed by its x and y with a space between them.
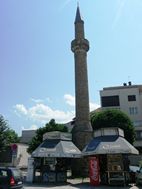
pixel 52 157
pixel 111 150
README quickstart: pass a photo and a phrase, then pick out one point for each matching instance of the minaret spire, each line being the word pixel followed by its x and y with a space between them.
pixel 79 25
pixel 78 15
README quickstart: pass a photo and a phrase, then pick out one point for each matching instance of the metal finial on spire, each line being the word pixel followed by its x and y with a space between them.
pixel 77 3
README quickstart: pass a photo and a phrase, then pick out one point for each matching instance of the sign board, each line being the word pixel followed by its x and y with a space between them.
pixel 57 135
pixel 49 161
pixel 14 149
pixel 94 172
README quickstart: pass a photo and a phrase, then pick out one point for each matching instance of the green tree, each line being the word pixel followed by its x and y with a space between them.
pixel 51 126
pixel 114 118
pixel 3 129
pixel 7 135
pixel 11 136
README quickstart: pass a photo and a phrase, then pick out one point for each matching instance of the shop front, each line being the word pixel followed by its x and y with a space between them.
pixel 51 170
pixel 52 158
pixel 112 151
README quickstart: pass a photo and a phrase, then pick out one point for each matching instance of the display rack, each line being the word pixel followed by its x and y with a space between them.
pixel 116 173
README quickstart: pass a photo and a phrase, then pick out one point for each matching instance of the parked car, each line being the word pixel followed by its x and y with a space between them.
pixel 139 176
pixel 10 178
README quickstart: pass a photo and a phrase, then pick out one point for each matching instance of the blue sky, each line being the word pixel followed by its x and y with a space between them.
pixel 37 65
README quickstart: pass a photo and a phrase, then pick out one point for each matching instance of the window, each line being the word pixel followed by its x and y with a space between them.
pixel 133 110
pixel 138 123
pixel 131 97
pixel 108 101
pixel 3 173
pixel 17 173
pixel 138 135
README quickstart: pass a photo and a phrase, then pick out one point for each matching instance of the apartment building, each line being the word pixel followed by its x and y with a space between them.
pixel 127 98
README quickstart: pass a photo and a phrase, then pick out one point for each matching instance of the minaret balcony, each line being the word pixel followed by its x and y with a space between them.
pixel 80 44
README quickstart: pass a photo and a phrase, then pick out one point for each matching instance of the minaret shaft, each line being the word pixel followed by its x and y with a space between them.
pixel 79 30
pixel 81 90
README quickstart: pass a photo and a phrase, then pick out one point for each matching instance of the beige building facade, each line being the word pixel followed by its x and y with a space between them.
pixel 27 136
pixel 127 98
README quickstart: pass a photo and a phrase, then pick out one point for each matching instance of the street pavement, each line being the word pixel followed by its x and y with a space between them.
pixel 76 184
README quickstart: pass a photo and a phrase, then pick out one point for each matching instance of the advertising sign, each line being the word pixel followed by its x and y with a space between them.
pixel 49 161
pixel 49 177
pixel 14 149
pixel 94 173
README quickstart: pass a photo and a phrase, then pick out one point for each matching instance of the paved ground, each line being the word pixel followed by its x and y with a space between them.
pixel 76 184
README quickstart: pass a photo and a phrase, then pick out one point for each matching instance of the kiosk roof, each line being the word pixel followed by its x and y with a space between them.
pixel 57 148
pixel 109 145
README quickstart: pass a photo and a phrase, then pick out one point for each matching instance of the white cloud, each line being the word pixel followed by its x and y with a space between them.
pixel 119 12
pixel 21 109
pixel 33 127
pixel 36 100
pixel 93 106
pixel 70 100
pixel 43 113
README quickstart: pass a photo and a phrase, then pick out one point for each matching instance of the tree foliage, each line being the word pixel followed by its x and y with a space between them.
pixel 11 136
pixel 7 135
pixel 51 126
pixel 114 118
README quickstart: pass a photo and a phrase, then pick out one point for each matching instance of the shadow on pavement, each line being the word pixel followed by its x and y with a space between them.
pixel 78 184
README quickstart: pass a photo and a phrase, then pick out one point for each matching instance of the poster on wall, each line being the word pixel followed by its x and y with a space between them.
pixel 49 177
pixel 94 173
pixel 49 161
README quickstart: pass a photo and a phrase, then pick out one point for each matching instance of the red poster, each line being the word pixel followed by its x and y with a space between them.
pixel 94 171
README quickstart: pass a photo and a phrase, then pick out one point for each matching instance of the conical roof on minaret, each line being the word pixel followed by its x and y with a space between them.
pixel 78 15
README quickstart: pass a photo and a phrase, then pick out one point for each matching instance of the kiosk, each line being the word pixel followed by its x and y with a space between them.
pixel 112 149
pixel 52 157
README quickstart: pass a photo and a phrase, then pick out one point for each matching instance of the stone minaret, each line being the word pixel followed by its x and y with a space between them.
pixel 82 132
